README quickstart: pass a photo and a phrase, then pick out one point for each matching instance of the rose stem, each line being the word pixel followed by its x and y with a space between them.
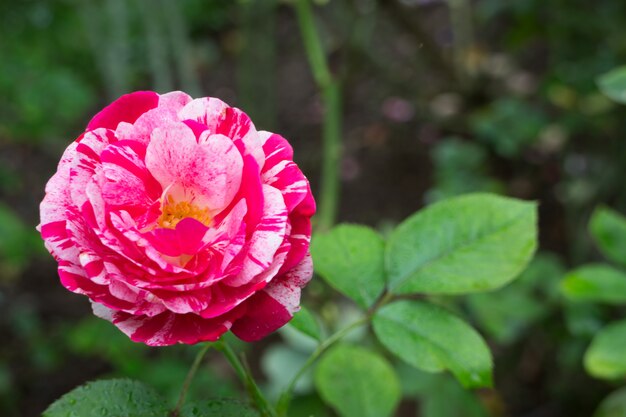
pixel 192 372
pixel 331 133
pixel 246 377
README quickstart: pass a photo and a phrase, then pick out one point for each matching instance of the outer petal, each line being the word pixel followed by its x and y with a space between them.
pixel 125 109
pixel 86 162
pixel 299 240
pixel 281 172
pixel 54 211
pixel 274 306
pixel 165 113
pixel 266 239
pixel 167 328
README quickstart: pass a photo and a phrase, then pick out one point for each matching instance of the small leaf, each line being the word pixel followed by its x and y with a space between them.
pixel 357 382
pixel 305 322
pixel 605 357
pixel 432 339
pixel 446 397
pixel 218 408
pixel 110 398
pixel 280 364
pixel 596 282
pixel 351 259
pixel 608 229
pixel 505 314
pixel 613 84
pixel 584 319
pixel 464 244
pixel 614 405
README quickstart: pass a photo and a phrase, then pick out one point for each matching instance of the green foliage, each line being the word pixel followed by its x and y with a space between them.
pixel 357 382
pixel 584 319
pixel 94 336
pixel 19 244
pixel 614 405
pixel 350 259
pixel 596 282
pixel 110 398
pixel 506 313
pixel 218 408
pixel 309 405
pixel 605 357
pixel 460 167
pixel 280 364
pixel 465 244
pixel 127 398
pixel 602 283
pixel 432 339
pixel 43 85
pixel 306 323
pixel 508 125
pixel 613 84
pixel 440 395
pixel 608 229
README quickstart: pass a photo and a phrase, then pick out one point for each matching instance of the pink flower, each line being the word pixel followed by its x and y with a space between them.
pixel 180 221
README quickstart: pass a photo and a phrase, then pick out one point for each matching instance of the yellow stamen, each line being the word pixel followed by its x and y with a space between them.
pixel 173 212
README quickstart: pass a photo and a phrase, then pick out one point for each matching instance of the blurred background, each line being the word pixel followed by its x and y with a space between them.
pixel 439 98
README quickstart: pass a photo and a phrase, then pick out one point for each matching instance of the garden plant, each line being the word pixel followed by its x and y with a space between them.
pixel 295 208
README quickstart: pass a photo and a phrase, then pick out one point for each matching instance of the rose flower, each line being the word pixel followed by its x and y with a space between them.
pixel 180 221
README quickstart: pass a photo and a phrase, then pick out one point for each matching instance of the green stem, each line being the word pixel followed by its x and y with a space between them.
pixel 192 372
pixel 285 398
pixel 264 407
pixel 331 95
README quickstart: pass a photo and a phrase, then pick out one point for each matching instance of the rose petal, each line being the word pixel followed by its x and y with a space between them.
pixel 266 239
pixel 167 328
pixel 222 119
pixel 206 173
pixel 274 306
pixel 125 109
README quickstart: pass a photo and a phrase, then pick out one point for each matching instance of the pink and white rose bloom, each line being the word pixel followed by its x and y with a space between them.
pixel 180 221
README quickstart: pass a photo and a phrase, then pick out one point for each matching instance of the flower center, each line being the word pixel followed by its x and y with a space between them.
pixel 173 212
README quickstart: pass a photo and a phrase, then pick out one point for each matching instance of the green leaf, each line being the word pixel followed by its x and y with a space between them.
pixel 305 322
pixel 351 259
pixel 218 408
pixel 596 282
pixel 606 356
pixel 432 339
pixel 613 84
pixel 608 229
pixel 464 244
pixel 357 382
pixel 110 398
pixel 614 405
